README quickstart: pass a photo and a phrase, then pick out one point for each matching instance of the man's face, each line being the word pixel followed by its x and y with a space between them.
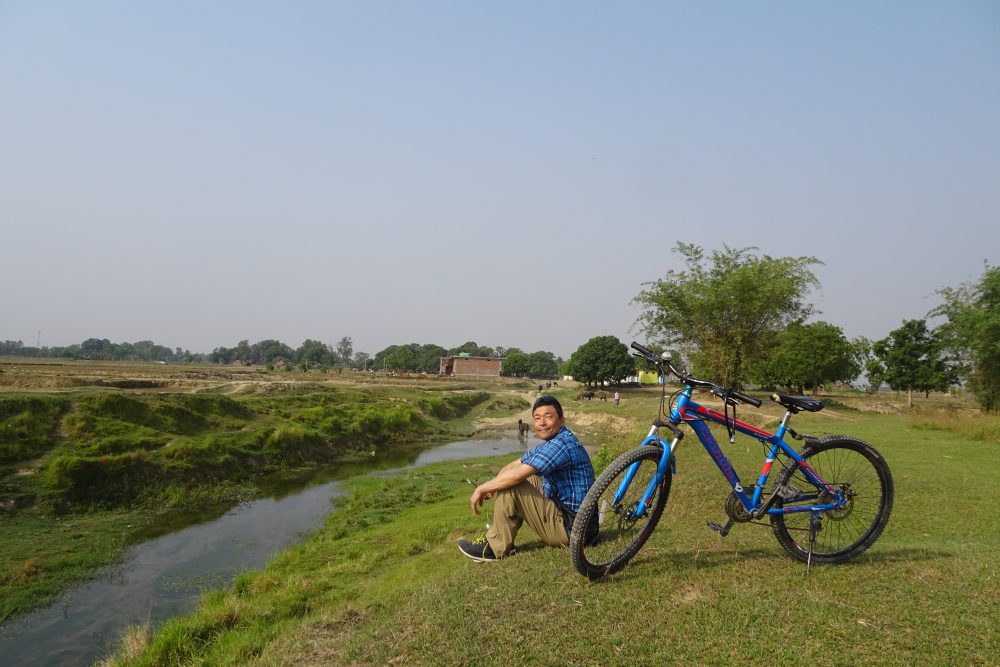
pixel 547 422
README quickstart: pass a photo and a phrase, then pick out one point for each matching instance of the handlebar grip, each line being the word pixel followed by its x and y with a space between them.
pixel 643 351
pixel 756 402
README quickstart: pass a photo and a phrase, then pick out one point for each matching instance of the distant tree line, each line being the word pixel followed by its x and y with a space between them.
pixel 102 349
pixel 311 354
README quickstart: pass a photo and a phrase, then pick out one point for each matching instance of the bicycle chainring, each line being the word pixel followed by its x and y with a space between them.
pixel 735 509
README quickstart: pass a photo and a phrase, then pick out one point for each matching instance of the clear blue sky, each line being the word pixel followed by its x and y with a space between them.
pixel 436 172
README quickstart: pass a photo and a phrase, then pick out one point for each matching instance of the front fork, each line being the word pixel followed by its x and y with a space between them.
pixel 666 461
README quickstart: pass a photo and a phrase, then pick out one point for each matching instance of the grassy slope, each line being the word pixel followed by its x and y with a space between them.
pixel 383 582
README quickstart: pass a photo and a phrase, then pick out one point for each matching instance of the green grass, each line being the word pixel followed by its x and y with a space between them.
pixel 382 582
pixel 42 554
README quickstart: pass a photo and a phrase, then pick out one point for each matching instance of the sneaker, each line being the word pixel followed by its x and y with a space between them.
pixel 478 550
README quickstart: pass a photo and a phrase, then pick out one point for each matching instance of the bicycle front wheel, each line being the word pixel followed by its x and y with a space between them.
pixel 606 534
pixel 859 471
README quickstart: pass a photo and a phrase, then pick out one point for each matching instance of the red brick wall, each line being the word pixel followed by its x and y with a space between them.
pixel 475 366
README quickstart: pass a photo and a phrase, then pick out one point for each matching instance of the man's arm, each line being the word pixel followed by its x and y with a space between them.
pixel 510 475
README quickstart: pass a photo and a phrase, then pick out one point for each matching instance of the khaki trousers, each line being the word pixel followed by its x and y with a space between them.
pixel 525 503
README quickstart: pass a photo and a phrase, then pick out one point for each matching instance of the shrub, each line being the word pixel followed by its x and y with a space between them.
pixel 29 426
pixel 116 478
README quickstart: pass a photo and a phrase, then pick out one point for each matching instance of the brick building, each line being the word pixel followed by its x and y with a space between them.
pixel 470 367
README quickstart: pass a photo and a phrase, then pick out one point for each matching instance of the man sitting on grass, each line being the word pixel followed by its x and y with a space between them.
pixel 543 488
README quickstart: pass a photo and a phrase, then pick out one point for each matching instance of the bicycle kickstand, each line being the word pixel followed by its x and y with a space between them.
pixel 814 527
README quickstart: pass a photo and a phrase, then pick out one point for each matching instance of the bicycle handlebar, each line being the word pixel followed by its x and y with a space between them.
pixel 725 393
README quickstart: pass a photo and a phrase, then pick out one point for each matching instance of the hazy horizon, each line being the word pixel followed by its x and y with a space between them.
pixel 198 174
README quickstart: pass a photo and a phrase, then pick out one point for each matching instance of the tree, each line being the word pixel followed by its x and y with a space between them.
pixel 471 348
pixel 912 358
pixel 875 371
pixel 221 355
pixel 726 314
pixel 808 355
pixel 345 350
pixel 242 352
pixel 972 334
pixel 268 351
pixel 95 348
pixel 428 357
pixel 601 359
pixel 361 360
pixel 401 358
pixel 516 363
pixel 543 364
pixel 313 353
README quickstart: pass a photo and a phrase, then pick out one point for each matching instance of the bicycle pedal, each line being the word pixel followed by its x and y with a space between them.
pixel 721 530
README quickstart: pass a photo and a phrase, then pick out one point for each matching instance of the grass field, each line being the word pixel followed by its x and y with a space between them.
pixel 382 582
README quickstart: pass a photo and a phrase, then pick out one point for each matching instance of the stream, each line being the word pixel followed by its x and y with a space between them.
pixel 165 575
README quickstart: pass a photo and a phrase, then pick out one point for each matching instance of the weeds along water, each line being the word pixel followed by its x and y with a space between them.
pixel 87 470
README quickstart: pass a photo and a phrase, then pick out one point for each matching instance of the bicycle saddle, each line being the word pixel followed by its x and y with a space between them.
pixel 795 403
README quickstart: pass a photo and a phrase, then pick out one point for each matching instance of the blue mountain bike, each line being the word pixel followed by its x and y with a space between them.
pixel 826 503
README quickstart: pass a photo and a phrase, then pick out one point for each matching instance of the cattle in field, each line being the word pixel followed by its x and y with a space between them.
pixel 589 395
pixel 522 428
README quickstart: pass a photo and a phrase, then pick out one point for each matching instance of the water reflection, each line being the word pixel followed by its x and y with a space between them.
pixel 165 575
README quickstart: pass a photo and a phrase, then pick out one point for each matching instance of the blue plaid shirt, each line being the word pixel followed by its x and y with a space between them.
pixel 564 466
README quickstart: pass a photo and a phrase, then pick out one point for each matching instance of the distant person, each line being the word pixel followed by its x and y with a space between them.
pixel 617 398
pixel 543 488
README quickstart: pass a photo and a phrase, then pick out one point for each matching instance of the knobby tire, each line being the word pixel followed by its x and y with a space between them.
pixel 618 538
pixel 843 462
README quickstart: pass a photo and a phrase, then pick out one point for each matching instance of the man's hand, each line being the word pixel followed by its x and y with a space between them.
pixel 478 497
pixel 510 475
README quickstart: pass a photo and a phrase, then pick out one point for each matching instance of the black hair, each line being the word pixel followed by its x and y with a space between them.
pixel 547 400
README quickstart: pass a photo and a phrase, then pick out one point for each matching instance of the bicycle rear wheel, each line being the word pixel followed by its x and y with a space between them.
pixel 860 471
pixel 619 533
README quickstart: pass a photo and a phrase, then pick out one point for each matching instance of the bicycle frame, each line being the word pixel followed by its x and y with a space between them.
pixel 686 410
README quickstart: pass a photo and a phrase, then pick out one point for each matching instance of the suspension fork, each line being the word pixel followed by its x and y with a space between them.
pixel 661 468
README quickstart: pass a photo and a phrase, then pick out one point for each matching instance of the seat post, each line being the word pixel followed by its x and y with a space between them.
pixel 784 420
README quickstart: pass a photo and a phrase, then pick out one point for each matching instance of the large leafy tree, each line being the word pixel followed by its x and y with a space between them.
pixel 912 358
pixel 428 357
pixel 270 350
pixel 243 352
pixel 972 334
pixel 808 355
pixel 97 348
pixel 399 358
pixel 601 359
pixel 516 363
pixel 543 364
pixel 402 358
pixel 725 311
pixel 314 353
